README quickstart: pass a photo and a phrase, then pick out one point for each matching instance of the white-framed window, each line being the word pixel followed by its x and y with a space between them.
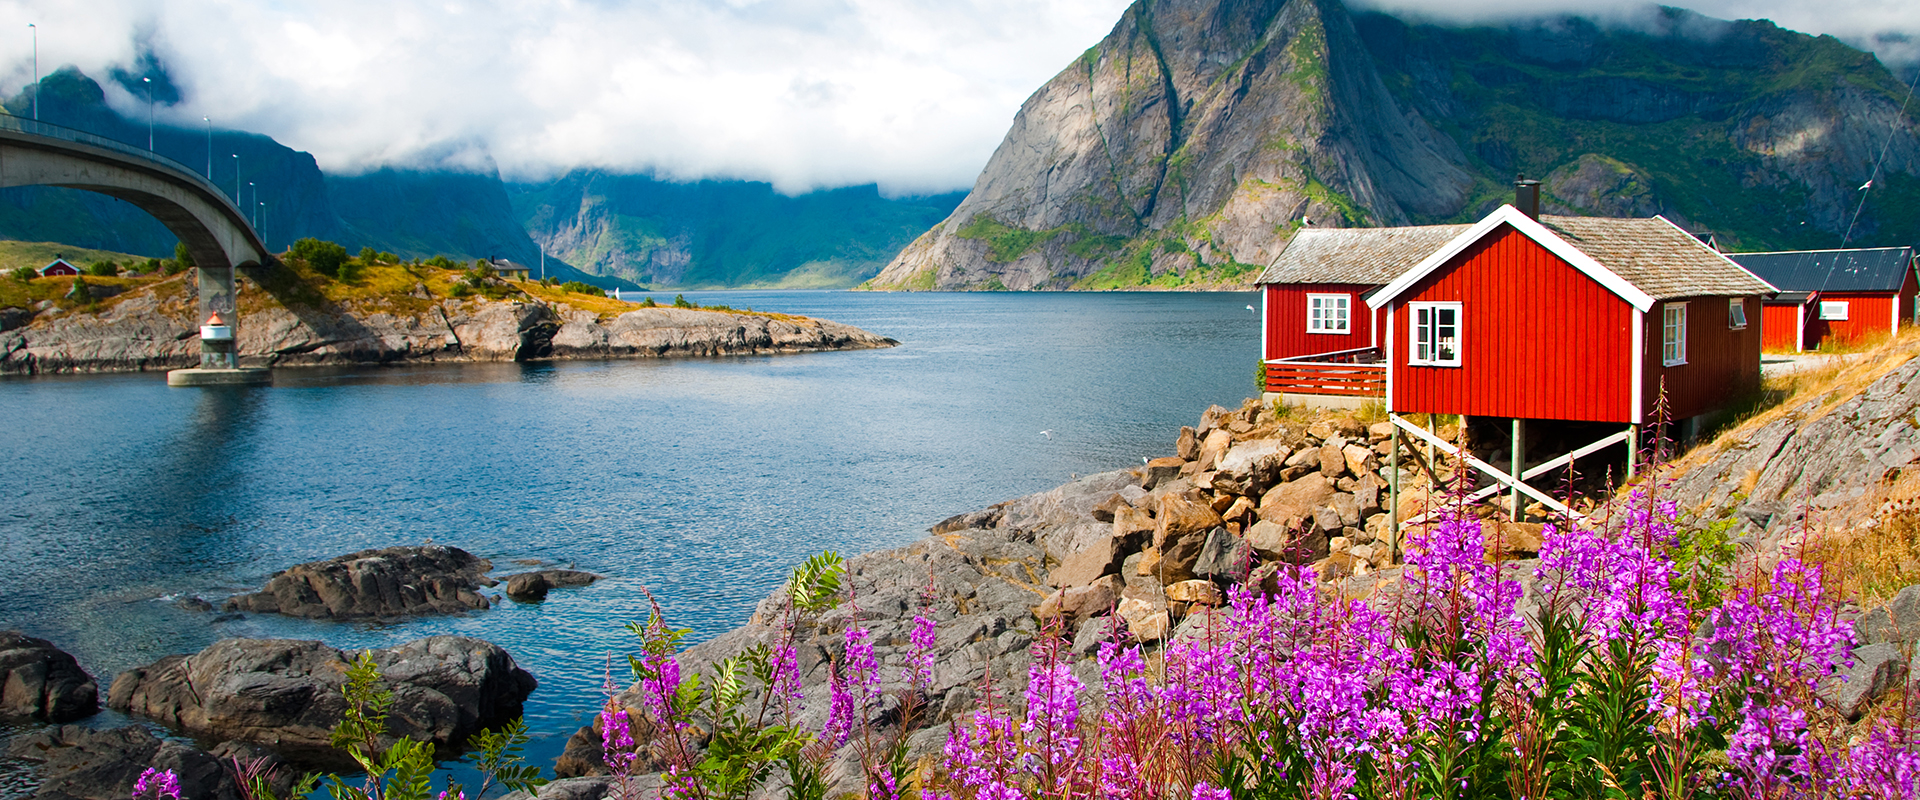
pixel 1673 335
pixel 1737 314
pixel 1435 334
pixel 1329 313
pixel 1833 309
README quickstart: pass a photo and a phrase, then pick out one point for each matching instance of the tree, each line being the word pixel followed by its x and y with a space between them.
pixel 325 257
pixel 182 256
pixel 24 274
pixel 369 256
pixel 104 268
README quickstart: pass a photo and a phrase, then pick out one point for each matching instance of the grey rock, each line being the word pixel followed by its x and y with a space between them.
pixel 11 318
pixel 1224 556
pixel 589 788
pixel 1877 669
pixel 388 582
pixel 76 763
pixel 1086 566
pixel 1897 621
pixel 286 692
pixel 533 586
pixel 40 681
pixel 1248 468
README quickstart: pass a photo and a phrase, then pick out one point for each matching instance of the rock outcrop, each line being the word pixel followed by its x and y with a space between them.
pixel 1821 457
pixel 533 586
pixel 76 763
pixel 286 693
pixel 382 583
pixel 153 328
pixel 43 682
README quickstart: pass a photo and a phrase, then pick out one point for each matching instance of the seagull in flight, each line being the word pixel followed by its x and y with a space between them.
pixel 1048 434
pixel 1251 308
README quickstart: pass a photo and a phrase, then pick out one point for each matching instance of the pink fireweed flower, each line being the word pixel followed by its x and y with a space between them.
pixel 919 671
pixel 450 794
pixel 616 738
pixel 1053 712
pixel 162 783
pixel 851 685
pixel 1206 791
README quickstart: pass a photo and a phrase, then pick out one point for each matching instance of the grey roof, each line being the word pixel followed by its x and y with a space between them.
pixel 1365 256
pixel 1879 269
pixel 1656 257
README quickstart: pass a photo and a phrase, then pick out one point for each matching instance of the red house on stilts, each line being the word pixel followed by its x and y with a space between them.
pixel 1577 321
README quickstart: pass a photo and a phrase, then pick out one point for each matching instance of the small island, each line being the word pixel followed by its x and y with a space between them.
pixel 320 307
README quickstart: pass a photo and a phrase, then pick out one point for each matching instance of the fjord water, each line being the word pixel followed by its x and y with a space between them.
pixel 702 481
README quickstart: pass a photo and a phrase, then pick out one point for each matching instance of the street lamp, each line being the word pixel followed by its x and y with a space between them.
pixel 236 179
pixel 209 121
pixel 256 198
pixel 149 83
pixel 36 70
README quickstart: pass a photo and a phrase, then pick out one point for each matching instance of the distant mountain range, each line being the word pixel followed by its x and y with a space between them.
pixel 630 231
pixel 1186 146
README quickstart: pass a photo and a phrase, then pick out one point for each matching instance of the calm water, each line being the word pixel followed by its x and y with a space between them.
pixel 702 480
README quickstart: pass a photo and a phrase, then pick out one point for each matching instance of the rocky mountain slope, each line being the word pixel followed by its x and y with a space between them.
pixel 721 233
pixel 1186 146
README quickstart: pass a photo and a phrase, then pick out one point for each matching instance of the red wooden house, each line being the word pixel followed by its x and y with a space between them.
pixel 59 268
pixel 1835 295
pixel 1315 325
pixel 1568 319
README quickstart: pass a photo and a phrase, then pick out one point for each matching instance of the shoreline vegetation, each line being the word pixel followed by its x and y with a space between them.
pixel 319 306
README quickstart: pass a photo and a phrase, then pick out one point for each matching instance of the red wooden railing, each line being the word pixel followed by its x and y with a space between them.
pixel 1345 373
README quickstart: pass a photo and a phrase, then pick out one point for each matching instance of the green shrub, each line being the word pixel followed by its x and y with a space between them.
pixel 680 301
pixel 388 258
pixel 583 288
pixel 173 266
pixel 439 262
pixel 181 256
pixel 648 303
pixel 323 256
pixel 152 266
pixel 103 268
pixel 24 274
pixel 369 256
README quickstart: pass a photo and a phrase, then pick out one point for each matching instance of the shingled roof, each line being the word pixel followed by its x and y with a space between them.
pixel 1657 257
pixel 1366 256
pixel 1878 269
pixel 1641 260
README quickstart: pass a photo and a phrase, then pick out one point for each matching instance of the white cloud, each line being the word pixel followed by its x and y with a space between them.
pixel 913 94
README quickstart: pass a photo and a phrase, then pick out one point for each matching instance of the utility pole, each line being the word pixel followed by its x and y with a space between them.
pixel 209 121
pixel 149 83
pixel 236 179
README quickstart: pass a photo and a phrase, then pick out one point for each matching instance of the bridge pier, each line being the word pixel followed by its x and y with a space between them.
pixel 219 337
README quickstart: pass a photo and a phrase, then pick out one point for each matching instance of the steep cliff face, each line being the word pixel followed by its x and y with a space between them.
pixel 1194 136
pixel 721 233
pixel 1185 147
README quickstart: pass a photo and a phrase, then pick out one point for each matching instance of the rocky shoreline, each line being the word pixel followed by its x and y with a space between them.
pixel 154 328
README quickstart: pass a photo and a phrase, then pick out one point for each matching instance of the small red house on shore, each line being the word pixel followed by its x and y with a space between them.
pixel 1312 292
pixel 59 268
pixel 1571 318
pixel 1835 295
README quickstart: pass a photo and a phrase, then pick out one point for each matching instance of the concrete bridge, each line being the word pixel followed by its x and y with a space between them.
pixel 214 230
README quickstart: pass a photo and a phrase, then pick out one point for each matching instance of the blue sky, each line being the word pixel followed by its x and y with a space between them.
pixel 912 94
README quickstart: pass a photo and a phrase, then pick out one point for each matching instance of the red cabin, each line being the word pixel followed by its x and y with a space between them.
pixel 1842 296
pixel 59 268
pixel 1571 318
pixel 1318 338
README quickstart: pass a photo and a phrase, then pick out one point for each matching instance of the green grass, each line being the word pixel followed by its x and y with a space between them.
pixel 16 254
pixel 1005 243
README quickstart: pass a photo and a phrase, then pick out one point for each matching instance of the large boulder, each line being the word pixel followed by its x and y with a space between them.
pixel 1090 564
pixel 388 582
pixel 533 586
pixel 1897 621
pixel 1289 503
pixel 42 682
pixel 287 693
pixel 76 763
pixel 1249 468
pixel 1877 669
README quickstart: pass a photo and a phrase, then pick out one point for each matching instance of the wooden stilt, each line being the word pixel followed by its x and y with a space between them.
pixel 1633 451
pixel 1393 494
pixel 1517 464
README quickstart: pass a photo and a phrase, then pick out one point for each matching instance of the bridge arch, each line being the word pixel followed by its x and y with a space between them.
pixel 214 231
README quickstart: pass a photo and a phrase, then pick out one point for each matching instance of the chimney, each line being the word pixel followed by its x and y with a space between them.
pixel 1526 196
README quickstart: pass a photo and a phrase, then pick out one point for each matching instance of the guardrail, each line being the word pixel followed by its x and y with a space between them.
pixel 51 131
pixel 1343 373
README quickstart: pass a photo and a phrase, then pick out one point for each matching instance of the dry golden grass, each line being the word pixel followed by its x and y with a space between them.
pixel 1871 561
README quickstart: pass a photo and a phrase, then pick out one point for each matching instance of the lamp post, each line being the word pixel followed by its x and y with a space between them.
pixel 254 195
pixel 209 121
pixel 36 70
pixel 236 179
pixel 259 227
pixel 149 83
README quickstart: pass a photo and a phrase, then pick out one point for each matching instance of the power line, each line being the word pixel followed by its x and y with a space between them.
pixel 1875 174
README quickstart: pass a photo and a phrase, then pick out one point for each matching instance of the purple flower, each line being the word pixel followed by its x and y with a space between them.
pixel 616 738
pixel 919 672
pixel 1205 791
pixel 163 783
